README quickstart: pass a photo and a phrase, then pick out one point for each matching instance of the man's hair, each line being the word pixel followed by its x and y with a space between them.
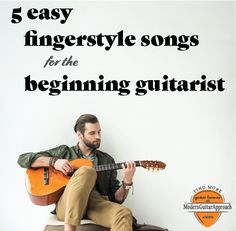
pixel 82 120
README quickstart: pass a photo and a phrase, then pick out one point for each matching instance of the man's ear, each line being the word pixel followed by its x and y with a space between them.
pixel 79 134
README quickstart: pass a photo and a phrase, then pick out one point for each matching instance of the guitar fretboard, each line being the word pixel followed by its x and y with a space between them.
pixel 105 167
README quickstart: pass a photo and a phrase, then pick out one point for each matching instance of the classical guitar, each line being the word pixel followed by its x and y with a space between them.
pixel 45 185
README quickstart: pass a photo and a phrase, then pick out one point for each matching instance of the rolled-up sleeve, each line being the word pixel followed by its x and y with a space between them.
pixel 25 160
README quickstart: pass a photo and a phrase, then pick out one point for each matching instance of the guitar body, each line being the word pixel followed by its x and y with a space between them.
pixel 45 185
pixel 49 193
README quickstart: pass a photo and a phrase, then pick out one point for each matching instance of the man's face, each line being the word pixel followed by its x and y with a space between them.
pixel 92 135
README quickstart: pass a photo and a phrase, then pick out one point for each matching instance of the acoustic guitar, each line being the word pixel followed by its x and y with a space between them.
pixel 45 185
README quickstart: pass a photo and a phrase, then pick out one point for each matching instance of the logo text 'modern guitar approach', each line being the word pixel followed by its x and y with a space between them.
pixel 207 204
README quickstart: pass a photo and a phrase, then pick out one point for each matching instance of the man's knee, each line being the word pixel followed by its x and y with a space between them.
pixel 86 172
pixel 90 171
pixel 126 212
pixel 123 213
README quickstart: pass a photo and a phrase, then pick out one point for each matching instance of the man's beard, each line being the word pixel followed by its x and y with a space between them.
pixel 90 145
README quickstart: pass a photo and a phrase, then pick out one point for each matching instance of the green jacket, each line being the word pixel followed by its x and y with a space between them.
pixel 106 183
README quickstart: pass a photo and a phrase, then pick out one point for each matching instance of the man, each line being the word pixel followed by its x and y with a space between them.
pixel 98 197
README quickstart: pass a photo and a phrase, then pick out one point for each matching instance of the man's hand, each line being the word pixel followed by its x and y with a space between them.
pixel 63 166
pixel 128 171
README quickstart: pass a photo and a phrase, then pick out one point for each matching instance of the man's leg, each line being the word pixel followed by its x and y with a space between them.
pixel 73 202
pixel 109 214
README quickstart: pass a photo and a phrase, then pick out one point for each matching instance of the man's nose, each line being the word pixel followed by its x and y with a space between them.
pixel 98 136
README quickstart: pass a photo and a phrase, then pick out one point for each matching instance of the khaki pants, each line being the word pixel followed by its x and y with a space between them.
pixel 76 202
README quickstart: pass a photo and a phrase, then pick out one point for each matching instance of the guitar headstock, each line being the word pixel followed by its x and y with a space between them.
pixel 152 165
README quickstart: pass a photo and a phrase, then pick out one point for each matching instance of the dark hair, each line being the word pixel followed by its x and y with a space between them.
pixel 82 120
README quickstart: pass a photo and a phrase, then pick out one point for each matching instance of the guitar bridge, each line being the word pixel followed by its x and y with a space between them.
pixel 46 176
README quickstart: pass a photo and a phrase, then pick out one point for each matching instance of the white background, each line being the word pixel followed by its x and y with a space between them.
pixel 193 132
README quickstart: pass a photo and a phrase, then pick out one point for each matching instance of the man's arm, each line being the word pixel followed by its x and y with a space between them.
pixel 26 160
pixel 60 164
pixel 42 159
pixel 128 173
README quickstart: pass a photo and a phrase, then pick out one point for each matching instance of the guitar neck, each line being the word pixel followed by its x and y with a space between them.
pixel 114 166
